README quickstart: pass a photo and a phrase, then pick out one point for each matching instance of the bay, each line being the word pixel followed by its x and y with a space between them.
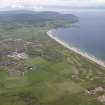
pixel 88 34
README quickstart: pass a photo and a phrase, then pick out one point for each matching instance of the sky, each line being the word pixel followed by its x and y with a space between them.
pixel 33 4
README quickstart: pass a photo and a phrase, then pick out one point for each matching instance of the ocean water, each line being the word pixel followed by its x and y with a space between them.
pixel 88 34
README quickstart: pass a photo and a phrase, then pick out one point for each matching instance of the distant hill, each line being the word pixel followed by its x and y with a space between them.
pixel 31 17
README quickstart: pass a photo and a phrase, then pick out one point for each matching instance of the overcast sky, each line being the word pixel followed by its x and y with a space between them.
pixel 51 3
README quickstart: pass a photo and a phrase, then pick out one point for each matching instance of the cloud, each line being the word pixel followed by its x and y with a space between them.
pixel 52 3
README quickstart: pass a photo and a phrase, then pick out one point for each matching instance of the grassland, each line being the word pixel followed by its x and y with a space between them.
pixel 53 75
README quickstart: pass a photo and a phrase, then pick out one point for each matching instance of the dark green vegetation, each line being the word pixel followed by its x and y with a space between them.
pixel 51 75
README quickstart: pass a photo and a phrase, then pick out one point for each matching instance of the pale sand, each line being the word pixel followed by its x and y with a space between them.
pixel 76 50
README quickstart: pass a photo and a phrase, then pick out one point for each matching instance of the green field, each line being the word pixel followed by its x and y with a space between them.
pixel 53 75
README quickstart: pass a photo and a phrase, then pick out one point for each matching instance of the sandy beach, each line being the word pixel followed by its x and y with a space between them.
pixel 76 50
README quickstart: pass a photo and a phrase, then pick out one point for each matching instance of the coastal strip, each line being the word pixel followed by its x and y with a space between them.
pixel 76 50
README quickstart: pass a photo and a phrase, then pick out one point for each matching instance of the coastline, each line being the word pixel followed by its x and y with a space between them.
pixel 76 50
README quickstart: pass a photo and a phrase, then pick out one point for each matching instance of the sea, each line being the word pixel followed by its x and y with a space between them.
pixel 88 34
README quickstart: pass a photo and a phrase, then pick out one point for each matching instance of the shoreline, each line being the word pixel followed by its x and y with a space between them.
pixel 76 50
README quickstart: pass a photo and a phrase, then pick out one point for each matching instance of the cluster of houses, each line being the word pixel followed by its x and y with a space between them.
pixel 18 56
pixel 95 92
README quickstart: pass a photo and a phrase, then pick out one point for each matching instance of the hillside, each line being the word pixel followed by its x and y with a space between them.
pixel 34 18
